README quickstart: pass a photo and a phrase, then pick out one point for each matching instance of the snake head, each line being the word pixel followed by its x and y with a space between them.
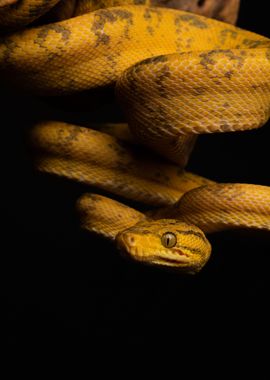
pixel 166 243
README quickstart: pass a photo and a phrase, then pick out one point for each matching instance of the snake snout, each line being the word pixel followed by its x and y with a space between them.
pixel 126 243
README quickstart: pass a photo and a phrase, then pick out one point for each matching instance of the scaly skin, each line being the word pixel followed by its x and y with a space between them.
pixel 103 161
pixel 222 206
pixel 197 92
pixel 16 14
pixel 192 203
pixel 23 12
pixel 177 75
pixel 140 238
pixel 94 49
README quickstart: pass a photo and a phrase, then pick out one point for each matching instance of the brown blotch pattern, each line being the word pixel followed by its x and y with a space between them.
pixel 191 20
pixel 149 12
pixel 44 31
pixel 164 74
pixel 104 16
pixel 209 58
pixel 228 74
pixel 227 34
pixel 255 43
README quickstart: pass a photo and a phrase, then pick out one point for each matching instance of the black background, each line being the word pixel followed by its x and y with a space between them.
pixel 62 289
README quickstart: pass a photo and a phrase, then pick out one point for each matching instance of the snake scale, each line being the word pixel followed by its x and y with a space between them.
pixel 176 75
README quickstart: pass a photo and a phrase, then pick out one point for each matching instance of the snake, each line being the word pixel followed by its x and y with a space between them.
pixel 176 75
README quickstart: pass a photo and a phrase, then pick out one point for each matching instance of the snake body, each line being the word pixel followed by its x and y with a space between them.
pixel 188 205
pixel 177 75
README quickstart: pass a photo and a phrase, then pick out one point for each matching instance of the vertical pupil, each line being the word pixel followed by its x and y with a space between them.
pixel 168 240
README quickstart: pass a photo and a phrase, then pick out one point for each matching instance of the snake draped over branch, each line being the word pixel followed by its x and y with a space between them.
pixel 176 75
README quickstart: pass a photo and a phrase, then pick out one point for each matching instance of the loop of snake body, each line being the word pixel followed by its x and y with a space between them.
pixel 177 75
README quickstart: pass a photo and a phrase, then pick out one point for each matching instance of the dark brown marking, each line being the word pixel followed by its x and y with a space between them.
pixel 206 60
pixel 103 16
pixel 225 127
pixel 192 250
pixel 199 90
pixel 255 86
pixel 255 43
pixel 209 57
pixel 161 77
pixel 151 11
pixel 150 30
pixel 192 20
pixel 227 33
pixel 228 74
pixel 44 31
pixel 191 232
pixel 147 14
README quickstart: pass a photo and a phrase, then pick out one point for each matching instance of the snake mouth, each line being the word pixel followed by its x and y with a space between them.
pixel 168 262
pixel 179 252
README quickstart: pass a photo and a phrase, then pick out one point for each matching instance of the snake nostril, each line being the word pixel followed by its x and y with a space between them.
pixel 128 239
pixel 131 240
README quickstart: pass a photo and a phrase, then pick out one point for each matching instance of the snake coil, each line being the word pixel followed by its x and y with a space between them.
pixel 176 75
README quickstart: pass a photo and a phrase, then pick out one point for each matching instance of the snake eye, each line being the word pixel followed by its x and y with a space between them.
pixel 168 240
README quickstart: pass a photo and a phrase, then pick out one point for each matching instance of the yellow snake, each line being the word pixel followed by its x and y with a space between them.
pixel 177 75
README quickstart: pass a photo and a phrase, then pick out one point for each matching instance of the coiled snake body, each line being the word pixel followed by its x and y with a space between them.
pixel 177 75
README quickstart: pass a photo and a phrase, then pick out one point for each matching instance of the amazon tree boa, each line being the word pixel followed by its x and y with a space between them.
pixel 176 75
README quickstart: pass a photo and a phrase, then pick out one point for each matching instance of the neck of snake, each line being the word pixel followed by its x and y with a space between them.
pixel 105 216
pixel 220 207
